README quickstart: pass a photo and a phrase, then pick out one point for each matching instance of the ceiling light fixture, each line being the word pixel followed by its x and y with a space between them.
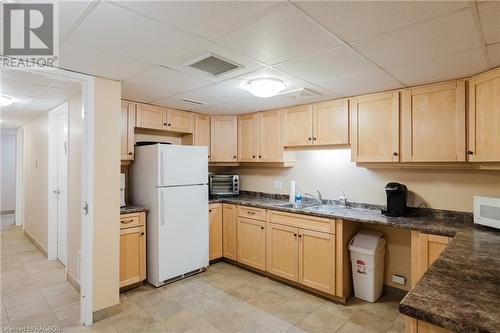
pixel 6 100
pixel 265 87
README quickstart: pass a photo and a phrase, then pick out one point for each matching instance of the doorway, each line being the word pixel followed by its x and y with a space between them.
pixel 58 179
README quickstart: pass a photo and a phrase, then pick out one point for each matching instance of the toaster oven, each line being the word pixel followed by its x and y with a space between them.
pixel 224 185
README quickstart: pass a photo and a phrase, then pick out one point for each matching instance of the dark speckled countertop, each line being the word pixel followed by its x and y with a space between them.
pixel 461 289
pixel 128 209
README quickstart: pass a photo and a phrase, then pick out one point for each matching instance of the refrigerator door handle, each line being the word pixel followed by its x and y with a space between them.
pixel 160 208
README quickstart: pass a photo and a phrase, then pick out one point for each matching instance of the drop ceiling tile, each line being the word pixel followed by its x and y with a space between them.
pixel 211 95
pixel 69 12
pixel 494 54
pixel 139 93
pixel 183 59
pixel 284 33
pixel 362 83
pixel 203 18
pixel 325 66
pixel 446 35
pixel 12 87
pixel 260 104
pixel 27 77
pixel 224 109
pixel 43 105
pixel 489 15
pixel 355 20
pixel 56 94
pixel 169 80
pixel 454 66
pixel 99 63
pixel 112 28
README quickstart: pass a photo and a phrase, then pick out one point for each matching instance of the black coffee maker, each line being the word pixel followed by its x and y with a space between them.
pixel 396 199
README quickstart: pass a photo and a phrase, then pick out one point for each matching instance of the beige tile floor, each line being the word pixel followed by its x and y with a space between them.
pixel 33 289
pixel 223 299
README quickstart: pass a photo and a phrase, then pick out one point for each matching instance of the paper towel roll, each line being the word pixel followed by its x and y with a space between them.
pixel 292 191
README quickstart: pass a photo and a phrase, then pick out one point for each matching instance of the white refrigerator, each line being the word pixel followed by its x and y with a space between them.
pixel 171 180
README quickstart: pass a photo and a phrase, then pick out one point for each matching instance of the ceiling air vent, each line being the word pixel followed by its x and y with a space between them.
pixel 300 93
pixel 191 102
pixel 214 65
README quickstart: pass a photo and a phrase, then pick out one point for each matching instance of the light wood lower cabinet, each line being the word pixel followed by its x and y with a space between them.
pixel 425 249
pixel 251 243
pixel 282 251
pixel 317 260
pixel 419 326
pixel 215 231
pixel 229 230
pixel 132 248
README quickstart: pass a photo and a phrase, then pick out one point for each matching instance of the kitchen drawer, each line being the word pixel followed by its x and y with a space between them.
pixel 252 213
pixel 131 220
pixel 302 221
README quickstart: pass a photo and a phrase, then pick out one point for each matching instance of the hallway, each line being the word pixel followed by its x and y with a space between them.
pixel 34 290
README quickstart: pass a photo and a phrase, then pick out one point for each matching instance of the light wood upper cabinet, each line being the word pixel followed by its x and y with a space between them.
pixel 484 117
pixel 229 223
pixel 179 121
pixel 202 130
pixel 271 136
pixel 331 122
pixel 132 248
pixel 433 123
pixel 224 139
pixel 248 137
pixel 298 125
pixel 215 231
pixel 251 243
pixel 282 251
pixel 151 117
pixel 317 260
pixel 127 122
pixel 375 127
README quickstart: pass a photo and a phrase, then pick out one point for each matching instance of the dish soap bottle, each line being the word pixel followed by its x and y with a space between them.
pixel 298 196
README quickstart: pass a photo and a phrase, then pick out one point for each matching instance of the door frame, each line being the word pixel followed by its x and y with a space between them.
pixel 19 176
pixel 87 186
pixel 53 172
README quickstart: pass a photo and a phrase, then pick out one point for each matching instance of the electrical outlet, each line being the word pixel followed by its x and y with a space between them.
pixel 277 185
pixel 399 279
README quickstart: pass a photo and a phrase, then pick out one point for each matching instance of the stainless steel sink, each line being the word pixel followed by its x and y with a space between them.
pixel 295 205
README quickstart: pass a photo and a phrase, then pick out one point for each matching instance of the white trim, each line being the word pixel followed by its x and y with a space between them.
pixel 20 176
pixel 52 244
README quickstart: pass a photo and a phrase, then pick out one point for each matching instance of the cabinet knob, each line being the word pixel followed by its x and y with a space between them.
pixel 169 124
pixel 294 235
pixel 260 156
pixel 142 234
pixel 300 236
pixel 130 153
pixel 314 139
pixel 234 156
pixel 209 210
pixel 395 154
pixel 165 124
pixel 470 152
pixel 309 139
pixel 253 156
pixel 261 228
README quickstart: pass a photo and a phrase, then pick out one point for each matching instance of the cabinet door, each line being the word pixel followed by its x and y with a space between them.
pixel 248 137
pixel 375 128
pixel 317 260
pixel 251 243
pixel 298 126
pixel 433 123
pixel 151 117
pixel 282 251
pixel 271 136
pixel 202 130
pixel 132 255
pixel 215 232
pixel 127 122
pixel 331 123
pixel 229 222
pixel 180 121
pixel 484 117
pixel 425 249
pixel 223 139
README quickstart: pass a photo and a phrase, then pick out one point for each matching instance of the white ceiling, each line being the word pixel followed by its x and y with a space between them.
pixel 34 94
pixel 335 48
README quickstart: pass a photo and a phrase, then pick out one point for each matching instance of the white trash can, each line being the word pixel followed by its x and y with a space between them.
pixel 367 260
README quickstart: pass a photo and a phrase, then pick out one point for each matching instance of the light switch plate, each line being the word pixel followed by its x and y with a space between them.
pixel 277 185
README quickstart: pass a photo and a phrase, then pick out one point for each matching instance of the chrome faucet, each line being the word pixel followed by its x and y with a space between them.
pixel 343 199
pixel 319 198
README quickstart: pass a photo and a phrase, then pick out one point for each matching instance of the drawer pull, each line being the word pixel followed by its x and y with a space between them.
pixel 128 221
pixel 251 213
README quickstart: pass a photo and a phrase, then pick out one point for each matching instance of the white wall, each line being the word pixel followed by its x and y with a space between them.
pixel 331 171
pixel 8 169
pixel 36 136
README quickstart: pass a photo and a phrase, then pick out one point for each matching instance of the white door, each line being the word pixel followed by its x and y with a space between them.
pixel 182 230
pixel 58 162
